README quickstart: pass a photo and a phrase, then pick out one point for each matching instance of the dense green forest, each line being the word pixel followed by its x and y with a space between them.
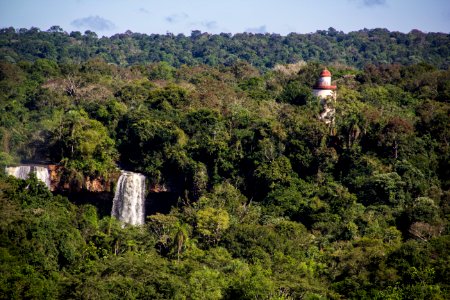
pixel 272 203
pixel 264 51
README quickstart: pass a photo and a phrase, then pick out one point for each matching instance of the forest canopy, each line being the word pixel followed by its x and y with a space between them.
pixel 270 202
pixel 264 51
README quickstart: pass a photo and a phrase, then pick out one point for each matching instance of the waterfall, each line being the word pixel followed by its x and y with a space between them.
pixel 19 172
pixel 23 172
pixel 43 175
pixel 129 198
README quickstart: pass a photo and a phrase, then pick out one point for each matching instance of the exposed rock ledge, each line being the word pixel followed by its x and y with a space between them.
pixel 64 181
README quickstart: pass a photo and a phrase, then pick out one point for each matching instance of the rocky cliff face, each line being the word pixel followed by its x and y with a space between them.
pixel 328 111
pixel 99 191
pixel 63 180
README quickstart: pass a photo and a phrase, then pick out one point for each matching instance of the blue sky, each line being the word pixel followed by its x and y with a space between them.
pixel 107 17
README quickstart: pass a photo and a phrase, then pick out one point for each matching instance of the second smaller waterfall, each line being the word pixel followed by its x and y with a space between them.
pixel 23 172
pixel 18 172
pixel 129 198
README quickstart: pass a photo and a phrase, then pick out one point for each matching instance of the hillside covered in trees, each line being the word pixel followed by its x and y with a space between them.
pixel 263 51
pixel 268 202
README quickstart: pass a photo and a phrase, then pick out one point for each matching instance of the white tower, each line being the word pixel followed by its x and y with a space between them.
pixel 327 96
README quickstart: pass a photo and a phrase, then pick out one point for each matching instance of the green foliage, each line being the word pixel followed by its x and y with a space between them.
pixel 170 96
pixel 161 70
pixel 211 223
pixel 383 189
pixel 297 94
pixel 358 48
pixel 266 201
pixel 146 143
pixel 39 239
pixel 82 143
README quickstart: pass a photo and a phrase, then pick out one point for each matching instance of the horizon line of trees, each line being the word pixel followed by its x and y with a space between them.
pixel 264 51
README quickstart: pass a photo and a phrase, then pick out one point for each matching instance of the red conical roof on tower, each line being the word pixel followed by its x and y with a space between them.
pixel 324 84
pixel 325 73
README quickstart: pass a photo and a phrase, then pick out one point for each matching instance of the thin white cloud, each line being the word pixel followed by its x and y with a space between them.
pixel 176 18
pixel 94 22
pixel 210 24
pixel 369 3
pixel 260 29
pixel 143 10
pixel 374 2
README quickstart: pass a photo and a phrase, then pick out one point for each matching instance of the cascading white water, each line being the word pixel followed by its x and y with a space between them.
pixel 43 175
pixel 129 198
pixel 23 172
pixel 18 172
